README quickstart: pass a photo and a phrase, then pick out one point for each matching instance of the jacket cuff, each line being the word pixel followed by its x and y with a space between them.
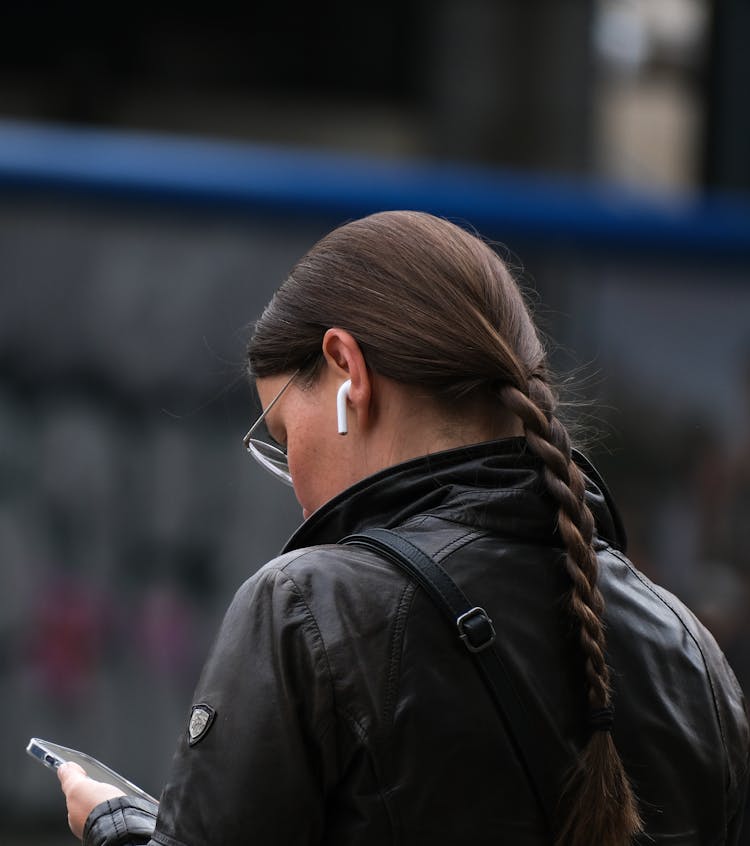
pixel 122 821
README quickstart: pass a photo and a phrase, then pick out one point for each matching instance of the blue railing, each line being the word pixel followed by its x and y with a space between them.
pixel 158 168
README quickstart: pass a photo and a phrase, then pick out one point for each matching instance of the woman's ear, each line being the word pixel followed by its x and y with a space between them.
pixel 345 361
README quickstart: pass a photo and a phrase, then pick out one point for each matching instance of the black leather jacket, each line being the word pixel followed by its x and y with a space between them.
pixel 342 709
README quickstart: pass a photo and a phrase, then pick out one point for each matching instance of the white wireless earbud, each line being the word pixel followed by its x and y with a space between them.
pixel 341 398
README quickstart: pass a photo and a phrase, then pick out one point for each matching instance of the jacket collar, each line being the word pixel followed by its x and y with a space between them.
pixel 495 486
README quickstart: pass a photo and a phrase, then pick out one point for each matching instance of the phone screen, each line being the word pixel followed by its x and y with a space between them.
pixel 52 755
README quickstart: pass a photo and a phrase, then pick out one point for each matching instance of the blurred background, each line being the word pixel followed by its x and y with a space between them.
pixel 160 172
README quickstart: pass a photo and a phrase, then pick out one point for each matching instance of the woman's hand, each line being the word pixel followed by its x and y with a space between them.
pixel 82 795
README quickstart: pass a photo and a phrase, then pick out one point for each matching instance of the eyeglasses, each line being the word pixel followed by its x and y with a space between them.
pixel 271 457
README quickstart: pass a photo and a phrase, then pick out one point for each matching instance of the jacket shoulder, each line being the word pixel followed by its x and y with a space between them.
pixel 649 626
pixel 343 567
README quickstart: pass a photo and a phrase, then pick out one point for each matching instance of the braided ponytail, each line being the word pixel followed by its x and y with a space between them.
pixel 598 804
pixel 432 305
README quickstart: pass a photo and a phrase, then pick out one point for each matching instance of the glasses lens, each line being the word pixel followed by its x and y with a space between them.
pixel 267 455
pixel 270 457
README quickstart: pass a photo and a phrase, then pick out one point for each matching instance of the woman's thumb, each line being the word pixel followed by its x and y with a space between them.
pixel 69 773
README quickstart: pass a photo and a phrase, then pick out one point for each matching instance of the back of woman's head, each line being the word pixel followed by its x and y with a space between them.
pixel 428 303
pixel 434 306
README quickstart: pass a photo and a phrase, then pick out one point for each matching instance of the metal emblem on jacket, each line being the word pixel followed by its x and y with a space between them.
pixel 201 718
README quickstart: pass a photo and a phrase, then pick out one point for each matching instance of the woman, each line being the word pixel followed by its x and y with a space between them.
pixel 337 706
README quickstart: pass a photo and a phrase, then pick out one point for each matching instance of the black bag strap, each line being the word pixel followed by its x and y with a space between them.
pixel 476 631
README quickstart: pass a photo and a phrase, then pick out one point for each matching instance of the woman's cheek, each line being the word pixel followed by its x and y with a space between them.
pixel 303 485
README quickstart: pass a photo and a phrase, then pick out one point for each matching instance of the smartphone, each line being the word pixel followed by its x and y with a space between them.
pixel 52 755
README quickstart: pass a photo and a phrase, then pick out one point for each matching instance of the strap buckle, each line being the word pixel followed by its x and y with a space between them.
pixel 475 629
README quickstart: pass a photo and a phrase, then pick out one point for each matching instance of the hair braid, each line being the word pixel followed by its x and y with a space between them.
pixel 600 805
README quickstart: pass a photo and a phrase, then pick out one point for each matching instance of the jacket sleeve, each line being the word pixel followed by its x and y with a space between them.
pixel 125 821
pixel 731 710
pixel 261 768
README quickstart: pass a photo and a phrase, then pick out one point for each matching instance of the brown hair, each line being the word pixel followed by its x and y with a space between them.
pixel 434 306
